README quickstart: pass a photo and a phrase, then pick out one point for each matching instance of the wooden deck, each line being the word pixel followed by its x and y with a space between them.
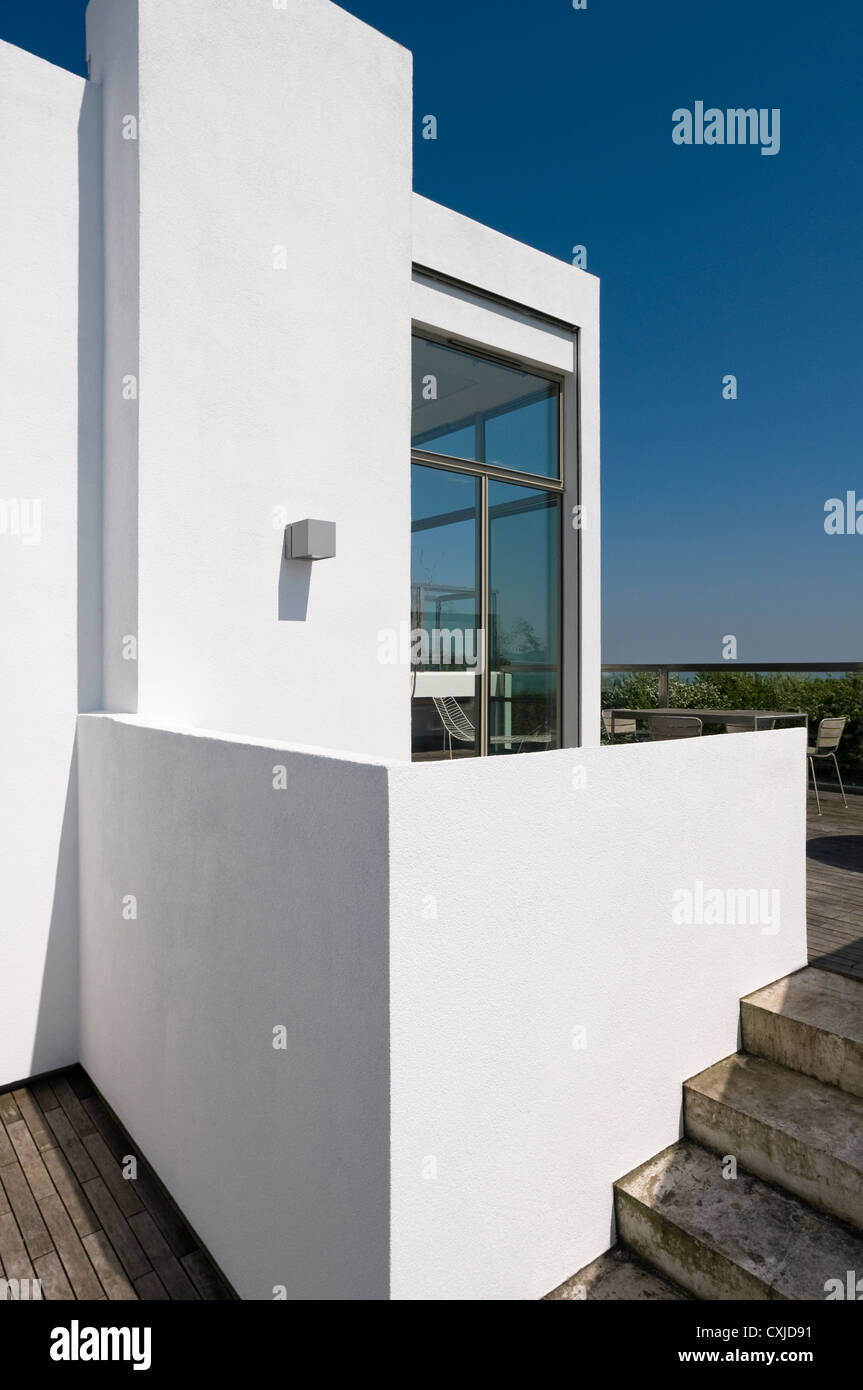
pixel 834 876
pixel 69 1217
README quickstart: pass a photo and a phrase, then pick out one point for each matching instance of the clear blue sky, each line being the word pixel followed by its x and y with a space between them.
pixel 555 127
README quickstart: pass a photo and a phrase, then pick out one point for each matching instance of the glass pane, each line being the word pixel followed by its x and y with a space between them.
pixel 524 618
pixel 467 407
pixel 445 597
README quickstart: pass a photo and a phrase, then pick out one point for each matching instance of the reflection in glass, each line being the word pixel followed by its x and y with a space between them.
pixel 468 407
pixel 524 618
pixel 445 590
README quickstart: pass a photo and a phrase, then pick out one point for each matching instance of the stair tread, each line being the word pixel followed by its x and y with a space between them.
pixel 778 1239
pixel 811 1111
pixel 820 998
pixel 616 1276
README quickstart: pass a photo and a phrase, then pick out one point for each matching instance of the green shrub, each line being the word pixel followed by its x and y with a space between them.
pixel 820 697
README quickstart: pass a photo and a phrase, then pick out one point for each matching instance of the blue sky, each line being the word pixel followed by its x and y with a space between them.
pixel 554 125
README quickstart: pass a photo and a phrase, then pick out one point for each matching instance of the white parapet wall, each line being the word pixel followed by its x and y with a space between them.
pixel 42 402
pixel 545 1006
pixel 489 1006
pixel 231 889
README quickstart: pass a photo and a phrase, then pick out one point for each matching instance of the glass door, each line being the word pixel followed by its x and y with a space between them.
pixel 487 484
pixel 446 640
pixel 524 618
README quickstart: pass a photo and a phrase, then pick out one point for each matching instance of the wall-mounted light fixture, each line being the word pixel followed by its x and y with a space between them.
pixel 310 540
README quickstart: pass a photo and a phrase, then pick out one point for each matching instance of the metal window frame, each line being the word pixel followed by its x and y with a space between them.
pixel 556 379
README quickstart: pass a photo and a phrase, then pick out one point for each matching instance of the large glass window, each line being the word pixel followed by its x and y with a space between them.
pixel 469 407
pixel 485 557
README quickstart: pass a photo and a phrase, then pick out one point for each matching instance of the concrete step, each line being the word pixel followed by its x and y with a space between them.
pixel 794 1131
pixel 616 1275
pixel 725 1240
pixel 812 1022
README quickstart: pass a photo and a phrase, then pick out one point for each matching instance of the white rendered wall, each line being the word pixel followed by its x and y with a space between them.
pixel 471 254
pixel 525 906
pixel 256 907
pixel 40 107
pixel 432 936
pixel 275 206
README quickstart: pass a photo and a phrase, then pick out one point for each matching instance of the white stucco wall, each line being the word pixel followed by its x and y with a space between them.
pixel 256 907
pixel 431 936
pixel 267 133
pixel 39 114
pixel 525 906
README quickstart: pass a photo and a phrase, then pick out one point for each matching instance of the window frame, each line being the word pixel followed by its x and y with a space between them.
pixel 455 460
pixel 486 473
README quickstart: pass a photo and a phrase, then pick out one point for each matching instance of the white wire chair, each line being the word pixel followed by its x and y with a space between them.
pixel 455 722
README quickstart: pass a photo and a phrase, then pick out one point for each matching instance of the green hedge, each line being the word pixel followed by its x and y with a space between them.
pixel 820 697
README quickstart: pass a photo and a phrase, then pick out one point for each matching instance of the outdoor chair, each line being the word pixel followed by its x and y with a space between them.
pixel 665 726
pixel 455 722
pixel 826 742
pixel 623 728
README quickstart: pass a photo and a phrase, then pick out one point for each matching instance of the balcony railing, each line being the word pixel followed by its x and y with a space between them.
pixel 818 689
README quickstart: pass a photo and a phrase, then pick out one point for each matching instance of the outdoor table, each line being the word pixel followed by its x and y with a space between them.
pixel 744 718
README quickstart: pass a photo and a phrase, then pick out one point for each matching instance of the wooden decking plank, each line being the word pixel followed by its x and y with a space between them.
pixel 44 1094
pixel 121 1189
pixel 83 1216
pixel 831 931
pixel 52 1276
pixel 76 1263
pixel 150 1288
pixel 113 1133
pixel 70 1218
pixel 35 1120
pixel 150 1237
pixel 835 928
pixel 205 1276
pixel 828 937
pixel 25 1210
pixel 166 1217
pixel 117 1228
pixel 30 1159
pixel 104 1259
pixel 81 1122
pixel 169 1221
pixel 71 1145
pixel 9 1111
pixel 834 884
pixel 828 893
pixel 837 959
pixel 16 1261
pixel 7 1153
pixel 176 1281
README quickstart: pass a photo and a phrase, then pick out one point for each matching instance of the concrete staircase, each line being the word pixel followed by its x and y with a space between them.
pixel 788 1111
